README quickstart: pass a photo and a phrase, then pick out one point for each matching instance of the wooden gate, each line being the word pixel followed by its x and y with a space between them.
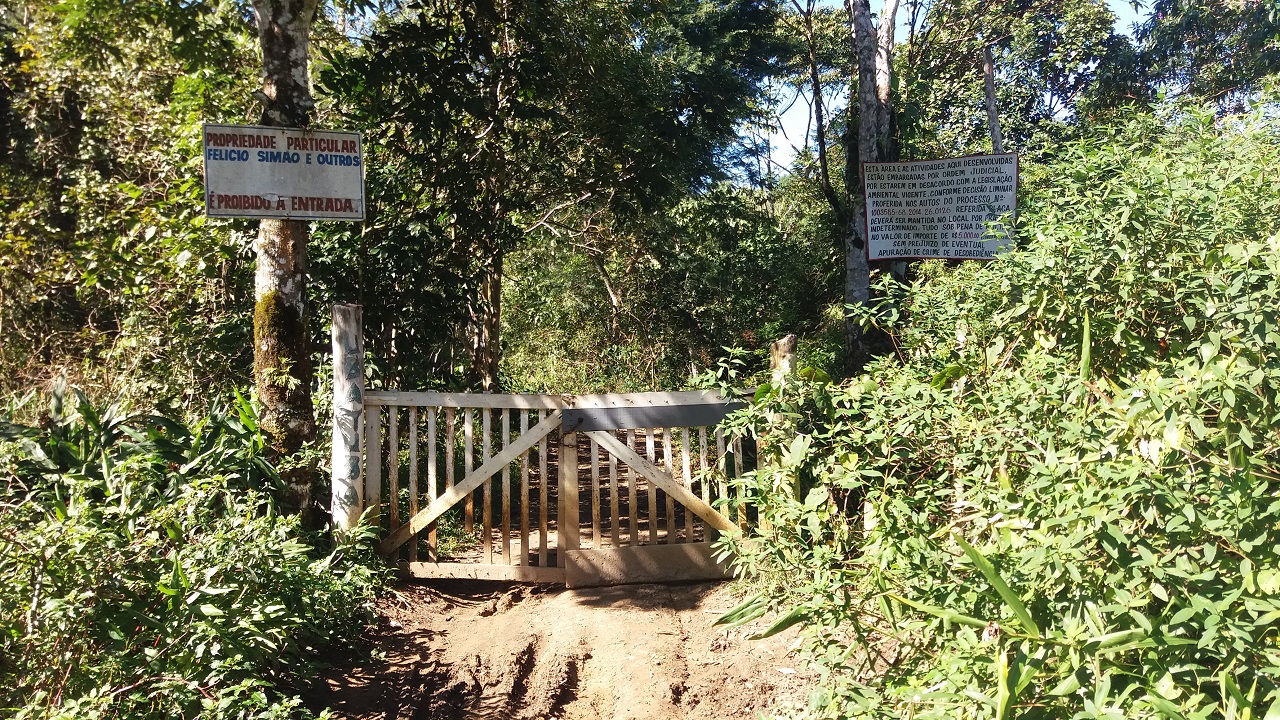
pixel 581 490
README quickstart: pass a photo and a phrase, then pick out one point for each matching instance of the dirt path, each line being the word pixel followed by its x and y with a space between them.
pixel 469 650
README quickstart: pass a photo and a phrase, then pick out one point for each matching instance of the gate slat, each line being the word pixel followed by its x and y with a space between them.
pixel 613 498
pixel 505 547
pixel 468 457
pixel 450 442
pixel 373 460
pixel 432 484
pixel 653 490
pixel 595 493
pixel 543 524
pixel 393 459
pixel 486 523
pixel 705 476
pixel 722 461
pixel 686 466
pixel 737 473
pixel 668 458
pixel 524 494
pixel 633 506
pixel 413 475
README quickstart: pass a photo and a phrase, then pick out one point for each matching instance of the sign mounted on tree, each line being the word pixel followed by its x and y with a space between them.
pixel 267 172
pixel 958 209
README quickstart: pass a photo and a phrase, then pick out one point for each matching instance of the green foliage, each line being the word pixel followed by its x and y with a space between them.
pixel 148 574
pixel 1061 501
pixel 108 269
pixel 487 136
pixel 1054 61
pixel 1212 50
pixel 644 310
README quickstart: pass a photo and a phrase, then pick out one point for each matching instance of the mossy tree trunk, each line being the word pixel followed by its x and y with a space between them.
pixel 281 350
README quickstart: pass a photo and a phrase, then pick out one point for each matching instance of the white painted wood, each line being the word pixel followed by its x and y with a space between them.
pixel 476 571
pixel 705 476
pixel 504 547
pixel 567 531
pixel 668 461
pixel 347 478
pixel 686 467
pixel 544 483
pixel 654 511
pixel 468 459
pixel 737 473
pixel 633 496
pixel 433 483
pixel 722 464
pixel 621 566
pixel 646 399
pixel 709 514
pixel 523 545
pixel 486 520
pixel 496 401
pixel 413 475
pixel 473 480
pixel 393 460
pixel 464 400
pixel 614 520
pixel 373 461
pixel 595 493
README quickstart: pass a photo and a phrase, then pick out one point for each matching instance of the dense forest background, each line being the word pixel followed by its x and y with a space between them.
pixel 586 204
pixel 576 195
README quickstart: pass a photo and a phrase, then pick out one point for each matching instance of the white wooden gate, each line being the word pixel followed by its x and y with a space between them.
pixel 580 490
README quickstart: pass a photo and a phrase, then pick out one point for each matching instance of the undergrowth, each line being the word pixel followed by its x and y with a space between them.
pixel 148 575
pixel 1060 501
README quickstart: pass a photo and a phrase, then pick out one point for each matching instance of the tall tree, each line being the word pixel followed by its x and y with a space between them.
pixel 1048 56
pixel 874 48
pixel 101 205
pixel 281 344
pixel 868 137
pixel 512 118
pixel 1212 50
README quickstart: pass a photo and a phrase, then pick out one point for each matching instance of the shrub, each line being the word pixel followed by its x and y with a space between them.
pixel 148 574
pixel 1061 501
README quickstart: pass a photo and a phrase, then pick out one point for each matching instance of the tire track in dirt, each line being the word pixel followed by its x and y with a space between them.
pixel 488 651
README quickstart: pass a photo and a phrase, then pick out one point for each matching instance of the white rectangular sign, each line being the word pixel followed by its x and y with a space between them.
pixel 268 172
pixel 959 208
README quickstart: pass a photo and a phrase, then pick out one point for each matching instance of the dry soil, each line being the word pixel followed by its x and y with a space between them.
pixel 465 649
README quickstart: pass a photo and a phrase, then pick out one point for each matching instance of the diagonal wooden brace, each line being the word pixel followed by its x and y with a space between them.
pixel 440 505
pixel 664 481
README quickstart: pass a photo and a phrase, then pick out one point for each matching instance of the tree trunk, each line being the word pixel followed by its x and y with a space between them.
pixel 486 326
pixel 281 349
pixel 989 86
pixel 874 53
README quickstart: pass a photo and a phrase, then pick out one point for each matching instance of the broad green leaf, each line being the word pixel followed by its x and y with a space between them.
pixel 1010 598
pixel 795 616
pixel 943 613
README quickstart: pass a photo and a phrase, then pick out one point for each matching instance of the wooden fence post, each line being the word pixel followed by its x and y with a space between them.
pixel 782 358
pixel 348 406
pixel 567 537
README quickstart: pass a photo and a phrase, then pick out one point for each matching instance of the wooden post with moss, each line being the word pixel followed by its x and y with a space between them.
pixel 347 502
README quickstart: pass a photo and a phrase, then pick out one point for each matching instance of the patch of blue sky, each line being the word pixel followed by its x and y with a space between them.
pixel 793 126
